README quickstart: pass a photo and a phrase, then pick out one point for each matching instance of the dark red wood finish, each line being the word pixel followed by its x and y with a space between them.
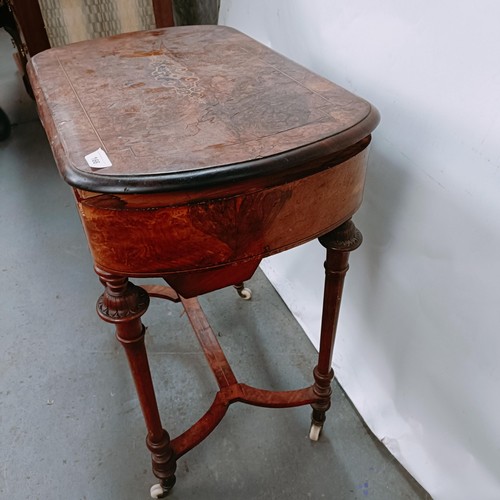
pixel 32 26
pixel 219 159
pixel 164 13
pixel 124 303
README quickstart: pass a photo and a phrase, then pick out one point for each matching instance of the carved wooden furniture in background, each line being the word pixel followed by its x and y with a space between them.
pixel 222 152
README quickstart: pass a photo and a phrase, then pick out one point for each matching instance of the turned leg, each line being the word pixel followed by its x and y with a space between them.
pixel 338 244
pixel 123 304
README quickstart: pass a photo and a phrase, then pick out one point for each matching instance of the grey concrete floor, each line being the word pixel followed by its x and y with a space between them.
pixel 70 423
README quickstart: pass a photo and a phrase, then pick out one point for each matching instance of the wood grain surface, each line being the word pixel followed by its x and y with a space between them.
pixel 223 152
pixel 184 106
pixel 148 235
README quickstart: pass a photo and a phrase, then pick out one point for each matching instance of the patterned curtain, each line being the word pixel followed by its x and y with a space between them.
pixel 68 21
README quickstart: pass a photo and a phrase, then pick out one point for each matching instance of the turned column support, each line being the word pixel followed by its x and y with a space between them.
pixel 338 243
pixel 123 304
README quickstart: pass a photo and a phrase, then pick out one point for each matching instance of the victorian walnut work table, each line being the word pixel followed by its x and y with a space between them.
pixel 194 152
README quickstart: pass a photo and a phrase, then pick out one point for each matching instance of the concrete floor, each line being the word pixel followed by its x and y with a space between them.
pixel 70 424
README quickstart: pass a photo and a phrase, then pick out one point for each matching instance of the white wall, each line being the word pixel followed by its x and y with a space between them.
pixel 419 338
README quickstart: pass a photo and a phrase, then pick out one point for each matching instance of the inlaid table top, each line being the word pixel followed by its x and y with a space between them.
pixel 189 106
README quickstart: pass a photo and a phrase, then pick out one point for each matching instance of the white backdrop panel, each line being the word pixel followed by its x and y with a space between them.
pixel 418 342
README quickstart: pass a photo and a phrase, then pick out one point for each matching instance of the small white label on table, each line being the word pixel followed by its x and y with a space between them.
pixel 98 159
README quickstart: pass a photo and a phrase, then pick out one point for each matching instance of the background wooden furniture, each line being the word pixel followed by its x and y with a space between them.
pixel 218 158
pixel 42 24
pixel 37 25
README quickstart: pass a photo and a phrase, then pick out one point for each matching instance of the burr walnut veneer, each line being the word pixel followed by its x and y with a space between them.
pixel 222 152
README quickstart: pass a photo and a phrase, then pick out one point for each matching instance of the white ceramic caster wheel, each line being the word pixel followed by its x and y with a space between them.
pixel 315 432
pixel 245 293
pixel 156 491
